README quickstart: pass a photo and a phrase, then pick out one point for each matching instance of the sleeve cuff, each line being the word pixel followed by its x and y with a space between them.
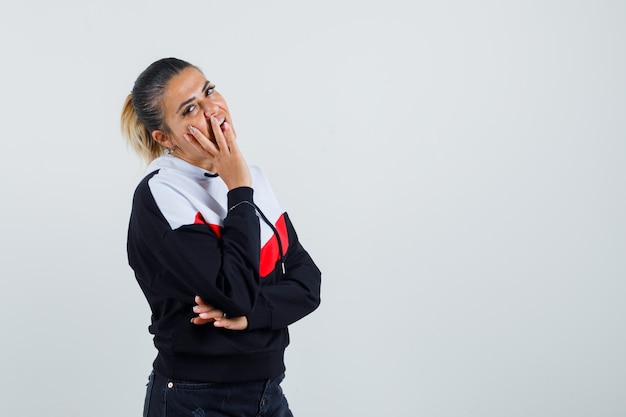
pixel 239 195
pixel 261 316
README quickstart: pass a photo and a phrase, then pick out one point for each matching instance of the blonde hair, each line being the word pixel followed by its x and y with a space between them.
pixel 137 135
pixel 142 112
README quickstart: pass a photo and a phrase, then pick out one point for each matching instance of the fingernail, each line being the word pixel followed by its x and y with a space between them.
pixel 191 129
pixel 196 308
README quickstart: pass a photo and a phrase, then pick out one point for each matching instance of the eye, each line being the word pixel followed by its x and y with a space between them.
pixel 189 109
pixel 210 89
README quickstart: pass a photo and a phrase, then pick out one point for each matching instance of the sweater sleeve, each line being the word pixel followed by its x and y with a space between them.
pixel 192 260
pixel 296 295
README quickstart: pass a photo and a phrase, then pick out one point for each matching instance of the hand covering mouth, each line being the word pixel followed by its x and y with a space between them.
pixel 210 134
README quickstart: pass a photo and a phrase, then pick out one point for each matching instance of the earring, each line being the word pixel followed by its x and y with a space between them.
pixel 170 150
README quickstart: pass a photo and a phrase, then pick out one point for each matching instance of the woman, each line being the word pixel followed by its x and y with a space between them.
pixel 216 257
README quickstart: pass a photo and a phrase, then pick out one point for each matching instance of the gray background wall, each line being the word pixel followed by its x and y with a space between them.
pixel 455 168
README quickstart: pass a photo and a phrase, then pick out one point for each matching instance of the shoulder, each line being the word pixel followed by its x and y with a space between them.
pixel 176 197
pixel 167 184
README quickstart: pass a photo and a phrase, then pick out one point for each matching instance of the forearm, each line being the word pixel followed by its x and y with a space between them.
pixel 223 270
pixel 293 297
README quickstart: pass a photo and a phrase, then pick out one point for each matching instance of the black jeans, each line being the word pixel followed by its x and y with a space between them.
pixel 172 398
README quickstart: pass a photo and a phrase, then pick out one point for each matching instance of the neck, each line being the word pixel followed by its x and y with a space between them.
pixel 204 164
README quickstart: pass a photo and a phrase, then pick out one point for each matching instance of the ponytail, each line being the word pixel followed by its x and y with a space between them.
pixel 136 133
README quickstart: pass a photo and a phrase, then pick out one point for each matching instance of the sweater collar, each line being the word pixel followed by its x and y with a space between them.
pixel 171 162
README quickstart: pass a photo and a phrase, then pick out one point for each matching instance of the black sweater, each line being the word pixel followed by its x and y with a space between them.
pixel 188 235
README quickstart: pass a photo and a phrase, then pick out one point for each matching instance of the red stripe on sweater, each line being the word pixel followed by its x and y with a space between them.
pixel 215 227
pixel 270 253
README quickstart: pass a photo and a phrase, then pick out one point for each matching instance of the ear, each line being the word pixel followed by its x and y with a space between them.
pixel 162 138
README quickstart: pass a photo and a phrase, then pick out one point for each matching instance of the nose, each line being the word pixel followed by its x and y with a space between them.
pixel 209 108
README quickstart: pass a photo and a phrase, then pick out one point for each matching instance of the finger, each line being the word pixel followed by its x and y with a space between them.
pixel 224 322
pixel 222 143
pixel 199 301
pixel 228 132
pixel 203 308
pixel 195 143
pixel 204 142
pixel 230 135
pixel 221 323
pixel 198 321
pixel 213 314
pixel 234 323
pixel 195 136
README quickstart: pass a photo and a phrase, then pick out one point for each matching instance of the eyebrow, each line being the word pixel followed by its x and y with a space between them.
pixel 184 103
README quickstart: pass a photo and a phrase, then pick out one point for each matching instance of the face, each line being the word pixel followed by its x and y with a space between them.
pixel 190 100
